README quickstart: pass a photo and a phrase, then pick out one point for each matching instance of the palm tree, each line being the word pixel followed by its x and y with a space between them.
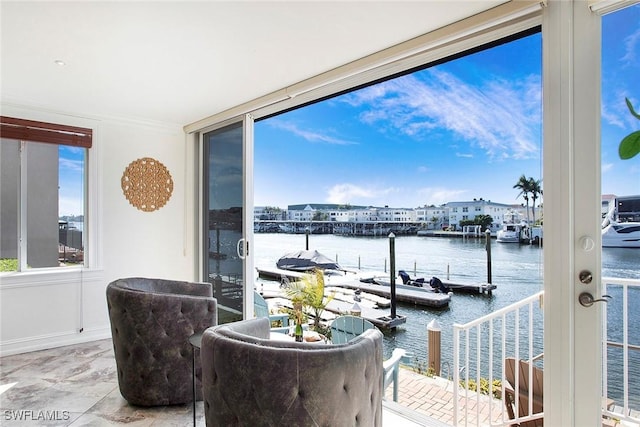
pixel 309 293
pixel 535 188
pixel 524 185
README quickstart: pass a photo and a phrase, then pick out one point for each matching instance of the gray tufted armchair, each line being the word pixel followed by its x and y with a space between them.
pixel 151 322
pixel 249 380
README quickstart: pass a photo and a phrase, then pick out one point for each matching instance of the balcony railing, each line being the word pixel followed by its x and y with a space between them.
pixel 484 379
pixel 621 350
pixel 513 331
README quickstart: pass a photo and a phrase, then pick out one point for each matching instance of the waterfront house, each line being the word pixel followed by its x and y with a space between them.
pixel 468 210
pixel 435 217
pixel 170 80
pixel 306 213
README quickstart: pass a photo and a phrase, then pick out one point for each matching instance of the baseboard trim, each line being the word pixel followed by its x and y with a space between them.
pixel 27 345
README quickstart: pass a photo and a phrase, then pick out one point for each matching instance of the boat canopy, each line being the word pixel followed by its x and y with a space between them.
pixel 307 260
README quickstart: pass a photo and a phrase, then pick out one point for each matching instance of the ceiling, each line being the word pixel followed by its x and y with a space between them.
pixel 179 62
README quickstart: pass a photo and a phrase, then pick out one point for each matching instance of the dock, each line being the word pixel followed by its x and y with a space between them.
pixel 362 298
pixel 278 274
pixel 408 294
pixel 379 317
pixel 470 288
pixel 455 287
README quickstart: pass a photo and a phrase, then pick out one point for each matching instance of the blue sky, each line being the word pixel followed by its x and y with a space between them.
pixel 71 169
pixel 465 129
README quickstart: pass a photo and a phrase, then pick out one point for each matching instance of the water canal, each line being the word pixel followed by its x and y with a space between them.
pixel 517 270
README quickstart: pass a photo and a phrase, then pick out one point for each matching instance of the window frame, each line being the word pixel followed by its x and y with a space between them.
pixel 78 132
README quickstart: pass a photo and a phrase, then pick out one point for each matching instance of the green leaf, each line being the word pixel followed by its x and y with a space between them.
pixel 633 112
pixel 630 145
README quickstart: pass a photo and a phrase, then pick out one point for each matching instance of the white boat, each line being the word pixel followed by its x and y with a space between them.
pixel 306 260
pixel 511 233
pixel 620 227
pixel 621 234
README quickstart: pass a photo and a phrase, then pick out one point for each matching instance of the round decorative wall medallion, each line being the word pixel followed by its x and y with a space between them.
pixel 147 184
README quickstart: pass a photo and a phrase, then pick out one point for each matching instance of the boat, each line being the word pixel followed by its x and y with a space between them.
pixel 306 260
pixel 620 228
pixel 512 233
pixel 620 234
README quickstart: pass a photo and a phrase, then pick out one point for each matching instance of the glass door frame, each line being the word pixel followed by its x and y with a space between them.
pixel 245 245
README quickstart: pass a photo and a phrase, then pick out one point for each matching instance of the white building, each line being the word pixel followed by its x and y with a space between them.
pixel 467 211
pixel 304 214
pixel 433 216
pixel 387 214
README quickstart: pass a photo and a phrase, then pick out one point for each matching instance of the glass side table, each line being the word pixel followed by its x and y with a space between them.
pixel 195 340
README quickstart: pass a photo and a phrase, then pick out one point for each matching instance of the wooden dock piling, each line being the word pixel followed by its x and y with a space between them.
pixel 433 350
pixel 392 268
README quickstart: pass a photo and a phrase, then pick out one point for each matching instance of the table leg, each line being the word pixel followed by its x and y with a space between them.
pixel 193 366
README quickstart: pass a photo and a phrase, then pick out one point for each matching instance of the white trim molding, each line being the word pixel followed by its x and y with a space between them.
pixel 602 7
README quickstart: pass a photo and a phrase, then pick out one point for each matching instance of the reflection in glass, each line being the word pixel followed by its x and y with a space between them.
pixel 224 195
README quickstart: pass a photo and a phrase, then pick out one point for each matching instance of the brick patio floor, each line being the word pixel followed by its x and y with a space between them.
pixel 433 397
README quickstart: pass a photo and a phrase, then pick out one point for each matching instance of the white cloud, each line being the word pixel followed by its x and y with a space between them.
pixel 437 196
pixel 309 135
pixel 501 117
pixel 355 194
pixel 71 165
pixel 613 118
pixel 465 155
pixel 631 43
pixel 606 167
pixel 70 206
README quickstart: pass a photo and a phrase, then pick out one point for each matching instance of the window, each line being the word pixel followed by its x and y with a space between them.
pixel 42 194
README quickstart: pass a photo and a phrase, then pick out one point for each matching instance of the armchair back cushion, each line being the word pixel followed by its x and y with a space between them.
pixel 151 322
pixel 249 380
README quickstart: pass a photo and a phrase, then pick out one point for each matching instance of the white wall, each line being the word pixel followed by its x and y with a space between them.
pixel 49 308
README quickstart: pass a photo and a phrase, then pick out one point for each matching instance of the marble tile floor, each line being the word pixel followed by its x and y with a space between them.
pixel 77 386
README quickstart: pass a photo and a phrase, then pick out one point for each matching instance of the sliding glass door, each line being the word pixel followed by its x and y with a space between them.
pixel 228 217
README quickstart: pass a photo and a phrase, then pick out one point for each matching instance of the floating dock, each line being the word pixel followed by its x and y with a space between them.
pixel 408 294
pixel 278 274
pixel 381 318
pixel 455 287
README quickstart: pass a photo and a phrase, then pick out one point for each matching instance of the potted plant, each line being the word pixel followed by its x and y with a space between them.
pixel 308 293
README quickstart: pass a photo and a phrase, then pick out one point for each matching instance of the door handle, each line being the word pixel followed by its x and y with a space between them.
pixel 238 248
pixel 587 300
